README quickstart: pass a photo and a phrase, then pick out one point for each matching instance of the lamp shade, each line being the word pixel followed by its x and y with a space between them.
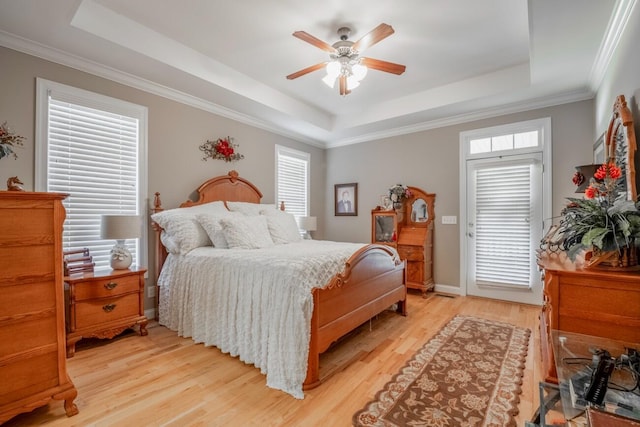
pixel 120 227
pixel 308 223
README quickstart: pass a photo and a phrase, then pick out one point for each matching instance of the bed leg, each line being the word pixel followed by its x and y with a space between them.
pixel 402 307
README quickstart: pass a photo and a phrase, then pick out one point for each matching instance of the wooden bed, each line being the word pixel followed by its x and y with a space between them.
pixel 373 278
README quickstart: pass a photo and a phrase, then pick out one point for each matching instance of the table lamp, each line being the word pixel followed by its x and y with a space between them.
pixel 120 228
pixel 308 224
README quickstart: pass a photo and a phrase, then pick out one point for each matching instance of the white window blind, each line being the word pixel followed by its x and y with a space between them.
pixel 93 154
pixel 503 228
pixel 292 180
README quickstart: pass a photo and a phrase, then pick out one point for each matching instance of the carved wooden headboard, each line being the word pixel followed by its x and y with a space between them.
pixel 226 188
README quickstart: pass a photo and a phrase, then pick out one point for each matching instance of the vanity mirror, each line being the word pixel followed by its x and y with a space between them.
pixel 419 212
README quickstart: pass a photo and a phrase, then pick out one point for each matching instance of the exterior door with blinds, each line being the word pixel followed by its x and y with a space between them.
pixel 504 227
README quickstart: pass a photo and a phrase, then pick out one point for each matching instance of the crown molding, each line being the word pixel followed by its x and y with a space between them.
pixel 575 96
pixel 57 56
pixel 617 24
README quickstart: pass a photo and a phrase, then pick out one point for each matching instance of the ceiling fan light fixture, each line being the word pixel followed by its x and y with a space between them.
pixel 345 64
pixel 359 71
pixel 352 82
pixel 333 69
pixel 329 80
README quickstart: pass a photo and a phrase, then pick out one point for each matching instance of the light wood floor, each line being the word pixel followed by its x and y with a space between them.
pixel 165 380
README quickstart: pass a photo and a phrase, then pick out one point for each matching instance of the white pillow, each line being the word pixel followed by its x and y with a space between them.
pixel 282 227
pixel 182 229
pixel 211 224
pixel 246 232
pixel 250 209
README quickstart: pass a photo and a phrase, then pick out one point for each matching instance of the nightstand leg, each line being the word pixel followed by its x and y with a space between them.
pixel 143 328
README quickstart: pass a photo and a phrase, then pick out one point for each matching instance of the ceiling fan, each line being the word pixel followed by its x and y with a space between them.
pixel 345 64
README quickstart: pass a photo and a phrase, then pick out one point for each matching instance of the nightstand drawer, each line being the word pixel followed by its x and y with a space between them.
pixel 105 288
pixel 96 312
pixel 411 253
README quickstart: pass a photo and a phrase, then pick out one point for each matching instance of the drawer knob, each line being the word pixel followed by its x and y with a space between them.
pixel 110 285
pixel 109 307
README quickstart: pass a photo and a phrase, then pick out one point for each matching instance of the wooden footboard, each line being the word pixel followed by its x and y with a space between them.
pixel 373 280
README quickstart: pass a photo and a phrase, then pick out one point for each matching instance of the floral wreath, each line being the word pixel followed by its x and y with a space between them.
pixel 221 149
pixel 8 141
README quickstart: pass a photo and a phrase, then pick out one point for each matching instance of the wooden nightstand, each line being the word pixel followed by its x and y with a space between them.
pixel 104 303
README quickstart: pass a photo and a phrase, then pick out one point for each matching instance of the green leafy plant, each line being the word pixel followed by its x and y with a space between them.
pixel 603 220
pixel 8 141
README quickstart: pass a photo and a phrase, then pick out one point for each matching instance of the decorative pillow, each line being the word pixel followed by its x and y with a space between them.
pixel 182 229
pixel 246 232
pixel 211 224
pixel 282 226
pixel 249 209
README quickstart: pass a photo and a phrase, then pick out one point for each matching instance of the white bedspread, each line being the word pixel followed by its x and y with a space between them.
pixel 252 303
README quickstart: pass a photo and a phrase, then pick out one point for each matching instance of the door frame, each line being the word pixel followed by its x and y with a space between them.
pixel 542 125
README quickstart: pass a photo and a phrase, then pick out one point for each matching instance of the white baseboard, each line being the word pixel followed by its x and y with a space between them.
pixel 150 313
pixel 447 289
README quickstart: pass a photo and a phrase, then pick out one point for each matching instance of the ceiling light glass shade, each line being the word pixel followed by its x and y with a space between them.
pixel 329 80
pixel 359 71
pixel 333 69
pixel 352 82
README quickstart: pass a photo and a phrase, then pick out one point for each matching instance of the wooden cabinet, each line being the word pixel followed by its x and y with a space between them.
pixel 591 302
pixel 104 303
pixel 384 227
pixel 33 366
pixel 410 230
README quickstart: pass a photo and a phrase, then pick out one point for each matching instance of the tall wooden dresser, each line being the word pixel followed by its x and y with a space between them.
pixel 32 331
pixel 410 231
pixel 586 301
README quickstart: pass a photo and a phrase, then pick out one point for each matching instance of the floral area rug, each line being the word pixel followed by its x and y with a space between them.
pixel 469 374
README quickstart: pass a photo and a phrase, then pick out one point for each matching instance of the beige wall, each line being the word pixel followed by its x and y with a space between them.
pixel 175 132
pixel 426 159
pixel 430 160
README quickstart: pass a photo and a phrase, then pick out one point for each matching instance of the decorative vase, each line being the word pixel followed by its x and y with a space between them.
pixel 399 208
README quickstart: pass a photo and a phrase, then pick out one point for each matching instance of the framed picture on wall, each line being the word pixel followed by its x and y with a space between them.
pixel 598 151
pixel 346 199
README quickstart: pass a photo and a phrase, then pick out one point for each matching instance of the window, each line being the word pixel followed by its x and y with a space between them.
pixel 512 141
pixel 292 180
pixel 93 148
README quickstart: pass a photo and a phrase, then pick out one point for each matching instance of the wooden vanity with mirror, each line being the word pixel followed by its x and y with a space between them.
pixel 410 231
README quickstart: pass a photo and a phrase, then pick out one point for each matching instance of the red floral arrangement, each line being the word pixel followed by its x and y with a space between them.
pixel 604 183
pixel 604 220
pixel 222 149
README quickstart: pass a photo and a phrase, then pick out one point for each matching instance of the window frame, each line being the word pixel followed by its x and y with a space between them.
pixel 45 88
pixel 281 150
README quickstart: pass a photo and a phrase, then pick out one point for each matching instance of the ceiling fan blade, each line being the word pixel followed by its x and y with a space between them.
pixel 387 67
pixel 382 31
pixel 314 41
pixel 306 71
pixel 343 86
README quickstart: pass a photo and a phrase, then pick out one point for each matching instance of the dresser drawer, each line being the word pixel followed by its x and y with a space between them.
pixel 32 298
pixel 29 376
pixel 411 253
pixel 96 312
pixel 28 333
pixel 105 288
